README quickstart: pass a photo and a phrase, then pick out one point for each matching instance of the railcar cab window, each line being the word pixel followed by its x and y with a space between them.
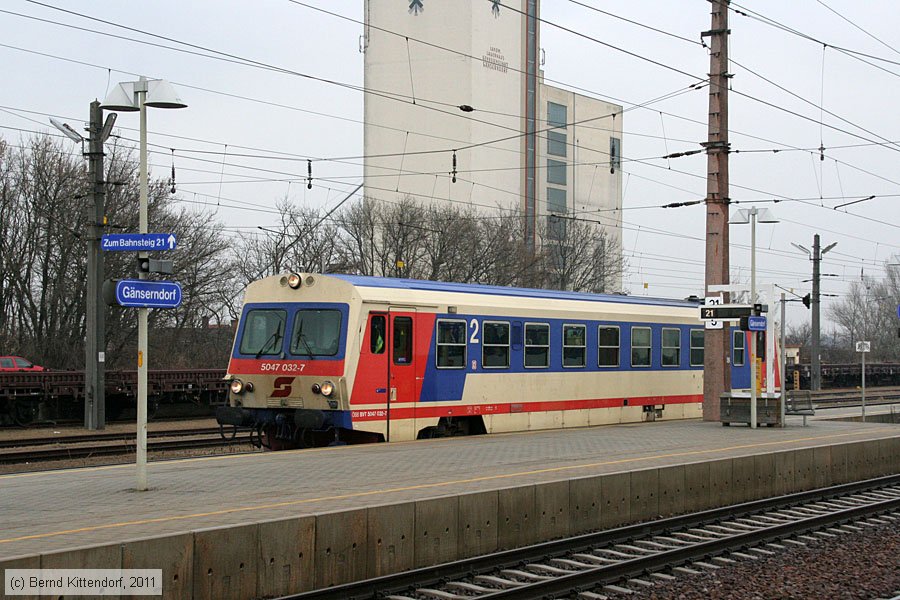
pixel 697 341
pixel 671 347
pixel 495 346
pixel 317 332
pixel 403 340
pixel 263 332
pixel 451 344
pixel 737 345
pixel 377 334
pixel 537 345
pixel 607 346
pixel 574 345
pixel 640 346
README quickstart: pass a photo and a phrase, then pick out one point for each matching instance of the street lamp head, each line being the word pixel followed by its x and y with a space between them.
pixel 740 217
pixel 802 248
pixel 67 131
pixel 764 215
pixel 829 247
pixel 160 94
pixel 121 98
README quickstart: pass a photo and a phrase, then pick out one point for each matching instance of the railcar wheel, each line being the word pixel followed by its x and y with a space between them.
pixel 24 413
pixel 270 440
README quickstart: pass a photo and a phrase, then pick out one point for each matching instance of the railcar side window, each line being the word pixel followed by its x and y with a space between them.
pixel 317 332
pixel 737 345
pixel 263 332
pixel 697 341
pixel 671 347
pixel 377 334
pixel 574 345
pixel 403 343
pixel 451 344
pixel 495 347
pixel 640 346
pixel 607 346
pixel 537 345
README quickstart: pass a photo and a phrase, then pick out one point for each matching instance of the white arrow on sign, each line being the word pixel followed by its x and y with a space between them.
pixel 171 241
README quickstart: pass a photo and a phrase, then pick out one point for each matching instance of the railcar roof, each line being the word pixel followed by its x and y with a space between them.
pixel 496 290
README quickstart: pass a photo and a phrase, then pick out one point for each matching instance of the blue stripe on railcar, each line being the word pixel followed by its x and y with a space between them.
pixel 443 384
pixel 496 290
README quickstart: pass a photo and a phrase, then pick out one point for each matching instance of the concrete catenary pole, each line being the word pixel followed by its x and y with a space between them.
pixel 816 351
pixel 716 374
pixel 95 322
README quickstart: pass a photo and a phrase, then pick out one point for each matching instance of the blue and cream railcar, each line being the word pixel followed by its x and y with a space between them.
pixel 367 358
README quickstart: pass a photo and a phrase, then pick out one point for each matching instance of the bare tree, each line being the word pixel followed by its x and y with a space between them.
pixel 868 312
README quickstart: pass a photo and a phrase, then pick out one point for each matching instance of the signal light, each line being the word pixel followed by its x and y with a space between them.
pixel 806 301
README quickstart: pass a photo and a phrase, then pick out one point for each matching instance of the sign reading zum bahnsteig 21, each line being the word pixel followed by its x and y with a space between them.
pixel 138 242
pixel 148 294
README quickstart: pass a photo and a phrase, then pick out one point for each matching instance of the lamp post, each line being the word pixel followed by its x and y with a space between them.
pixel 815 255
pixel 743 216
pixel 135 96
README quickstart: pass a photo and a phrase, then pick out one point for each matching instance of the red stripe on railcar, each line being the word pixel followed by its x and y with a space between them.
pixel 424 411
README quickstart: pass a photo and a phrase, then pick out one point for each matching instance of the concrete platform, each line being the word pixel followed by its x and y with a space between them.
pixel 363 510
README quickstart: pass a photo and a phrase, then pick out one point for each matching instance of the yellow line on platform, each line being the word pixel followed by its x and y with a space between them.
pixel 423 486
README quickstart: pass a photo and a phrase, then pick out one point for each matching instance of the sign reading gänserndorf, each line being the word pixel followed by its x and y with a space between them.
pixel 138 293
pixel 138 242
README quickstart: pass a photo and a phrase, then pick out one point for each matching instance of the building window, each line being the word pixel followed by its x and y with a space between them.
pixel 556 114
pixel 737 345
pixel 615 154
pixel 495 347
pixel 451 344
pixel 556 228
pixel 574 345
pixel 640 346
pixel 537 345
pixel 556 201
pixel 697 341
pixel 556 172
pixel 671 347
pixel 556 143
pixel 607 346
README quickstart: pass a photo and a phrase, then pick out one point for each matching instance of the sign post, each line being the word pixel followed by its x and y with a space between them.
pixel 862 348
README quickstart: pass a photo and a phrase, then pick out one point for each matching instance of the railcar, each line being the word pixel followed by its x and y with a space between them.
pixel 321 359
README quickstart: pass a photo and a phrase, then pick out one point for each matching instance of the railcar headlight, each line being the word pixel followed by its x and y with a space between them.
pixel 327 388
pixel 316 388
pixel 294 281
pixel 237 386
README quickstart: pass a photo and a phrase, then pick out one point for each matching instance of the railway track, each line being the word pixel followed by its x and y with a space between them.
pixel 624 560
pixel 90 445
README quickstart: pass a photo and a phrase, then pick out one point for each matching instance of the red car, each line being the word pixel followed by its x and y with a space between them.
pixel 17 363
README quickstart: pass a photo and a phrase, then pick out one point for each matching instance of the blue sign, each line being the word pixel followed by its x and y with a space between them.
pixel 137 242
pixel 139 293
pixel 756 323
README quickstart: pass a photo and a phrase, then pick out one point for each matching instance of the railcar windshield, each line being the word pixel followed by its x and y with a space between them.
pixel 263 332
pixel 317 332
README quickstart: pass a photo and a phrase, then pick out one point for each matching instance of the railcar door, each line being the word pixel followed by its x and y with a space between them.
pixel 402 383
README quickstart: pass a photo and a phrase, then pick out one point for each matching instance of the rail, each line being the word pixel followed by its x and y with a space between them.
pixel 615 557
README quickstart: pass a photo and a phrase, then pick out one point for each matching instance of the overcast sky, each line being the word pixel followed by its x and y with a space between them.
pixel 306 102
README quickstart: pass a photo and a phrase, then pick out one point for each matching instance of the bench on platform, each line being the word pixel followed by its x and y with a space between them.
pixel 799 402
